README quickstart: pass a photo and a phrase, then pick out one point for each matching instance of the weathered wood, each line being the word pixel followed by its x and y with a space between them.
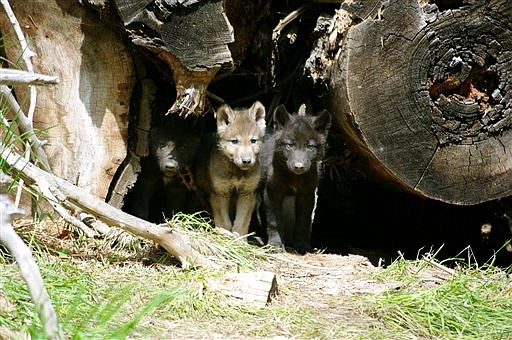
pixel 191 37
pixel 85 116
pixel 138 145
pixel 17 77
pixel 255 288
pixel 425 93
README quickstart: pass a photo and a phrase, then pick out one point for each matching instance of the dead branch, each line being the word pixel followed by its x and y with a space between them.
pixel 60 193
pixel 28 268
pixel 18 77
pixel 26 54
pixel 26 127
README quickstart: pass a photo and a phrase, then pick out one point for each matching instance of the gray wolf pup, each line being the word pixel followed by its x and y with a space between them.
pixel 291 157
pixel 228 172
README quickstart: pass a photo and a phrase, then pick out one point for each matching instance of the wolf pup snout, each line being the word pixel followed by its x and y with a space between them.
pixel 291 158
pixel 229 171
pixel 168 164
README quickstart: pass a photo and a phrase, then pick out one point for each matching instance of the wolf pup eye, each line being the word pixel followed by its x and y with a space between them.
pixel 311 146
pixel 161 145
pixel 254 140
pixel 233 141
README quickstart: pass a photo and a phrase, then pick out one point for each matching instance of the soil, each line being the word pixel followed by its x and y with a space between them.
pixel 323 283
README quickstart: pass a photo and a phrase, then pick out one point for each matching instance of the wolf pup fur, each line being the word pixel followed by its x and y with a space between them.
pixel 162 189
pixel 291 157
pixel 229 171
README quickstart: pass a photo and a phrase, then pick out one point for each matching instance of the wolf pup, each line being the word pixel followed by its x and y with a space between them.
pixel 228 172
pixel 291 157
pixel 163 186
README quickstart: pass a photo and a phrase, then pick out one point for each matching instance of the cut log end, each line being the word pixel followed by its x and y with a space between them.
pixel 436 118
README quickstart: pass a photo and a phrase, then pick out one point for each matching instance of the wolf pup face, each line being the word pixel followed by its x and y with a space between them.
pixel 240 133
pixel 173 145
pixel 301 138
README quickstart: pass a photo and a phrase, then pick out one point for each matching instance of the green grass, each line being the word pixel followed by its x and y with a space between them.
pixel 106 297
pixel 101 296
pixel 474 303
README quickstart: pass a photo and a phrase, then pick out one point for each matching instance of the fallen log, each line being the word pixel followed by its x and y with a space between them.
pixel 83 119
pixel 66 194
pixel 190 37
pixel 423 90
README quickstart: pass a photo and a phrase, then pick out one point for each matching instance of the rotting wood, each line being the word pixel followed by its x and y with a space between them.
pixel 63 193
pixel 253 288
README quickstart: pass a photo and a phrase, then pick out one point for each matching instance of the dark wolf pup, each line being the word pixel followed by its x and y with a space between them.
pixel 291 158
pixel 164 185
pixel 229 172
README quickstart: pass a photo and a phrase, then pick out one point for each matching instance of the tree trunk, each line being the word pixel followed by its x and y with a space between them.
pixel 425 93
pixel 85 116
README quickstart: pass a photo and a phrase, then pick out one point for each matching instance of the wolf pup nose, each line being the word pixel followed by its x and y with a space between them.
pixel 228 172
pixel 291 159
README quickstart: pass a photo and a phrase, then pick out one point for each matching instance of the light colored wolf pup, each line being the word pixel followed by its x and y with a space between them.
pixel 229 172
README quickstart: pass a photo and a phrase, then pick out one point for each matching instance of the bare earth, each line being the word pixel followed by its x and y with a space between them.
pixel 326 284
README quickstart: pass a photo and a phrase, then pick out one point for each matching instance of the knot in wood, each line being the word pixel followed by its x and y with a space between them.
pixel 467 77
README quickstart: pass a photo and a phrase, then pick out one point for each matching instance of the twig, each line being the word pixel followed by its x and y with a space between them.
pixel 17 77
pixel 438 265
pixel 44 188
pixel 28 268
pixel 26 127
pixel 26 54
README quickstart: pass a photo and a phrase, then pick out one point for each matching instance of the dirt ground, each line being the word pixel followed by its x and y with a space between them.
pixel 326 283
pixel 323 283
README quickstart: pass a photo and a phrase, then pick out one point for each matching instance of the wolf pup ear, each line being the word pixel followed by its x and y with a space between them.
pixel 281 116
pixel 302 110
pixel 224 115
pixel 257 112
pixel 322 121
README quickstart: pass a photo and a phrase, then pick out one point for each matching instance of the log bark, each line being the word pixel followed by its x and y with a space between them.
pixel 424 91
pixel 191 37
